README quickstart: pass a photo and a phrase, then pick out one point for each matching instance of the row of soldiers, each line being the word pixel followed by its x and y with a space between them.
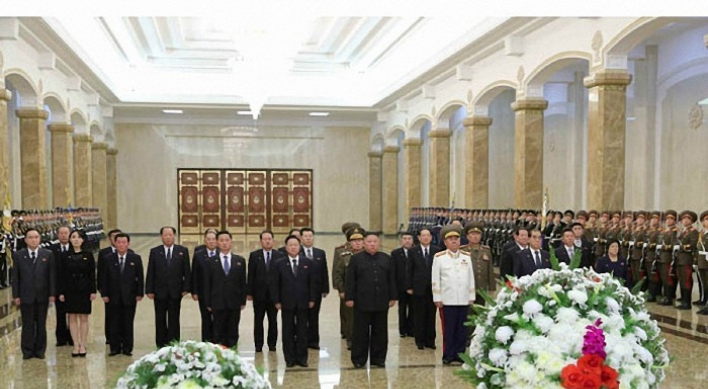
pixel 665 247
pixel 47 222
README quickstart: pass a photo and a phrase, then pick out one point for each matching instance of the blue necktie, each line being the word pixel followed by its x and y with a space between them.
pixel 227 265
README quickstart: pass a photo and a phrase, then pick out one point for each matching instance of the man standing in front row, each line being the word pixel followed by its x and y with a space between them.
pixel 453 291
pixel 260 264
pixel 401 260
pixel 168 280
pixel 200 267
pixel 418 281
pixel 320 276
pixel 371 291
pixel 33 288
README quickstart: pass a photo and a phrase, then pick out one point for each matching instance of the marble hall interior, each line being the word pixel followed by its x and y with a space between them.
pixel 303 120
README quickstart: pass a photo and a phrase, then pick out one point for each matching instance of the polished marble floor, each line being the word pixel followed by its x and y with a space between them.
pixel 330 367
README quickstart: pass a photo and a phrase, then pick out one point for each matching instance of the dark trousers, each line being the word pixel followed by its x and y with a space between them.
pixel 654 284
pixel 34 328
pixel 405 314
pixel 636 271
pixel 295 326
pixel 107 322
pixel 62 331
pixel 3 270
pixel 207 322
pixel 370 337
pixel 424 320
pixel 342 318
pixel 121 326
pixel 261 309
pixel 313 324
pixel 667 280
pixel 685 279
pixel 703 282
pixel 226 323
pixel 167 321
pixel 454 331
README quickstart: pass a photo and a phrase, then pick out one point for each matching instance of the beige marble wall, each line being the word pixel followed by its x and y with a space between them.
pixel 440 167
pixel 477 161
pixel 61 163
pixel 83 185
pixel 528 152
pixel 390 189
pixel 606 139
pixel 33 161
pixel 375 182
pixel 411 171
pixel 98 177
pixel 5 96
pixel 111 186
pixel 501 151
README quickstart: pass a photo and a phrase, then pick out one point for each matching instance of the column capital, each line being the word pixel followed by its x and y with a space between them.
pixel 375 154
pixel 440 133
pixel 31 113
pixel 5 94
pixel 82 138
pixel 391 149
pixel 61 127
pixel 112 151
pixel 412 142
pixel 530 104
pixel 615 78
pixel 99 146
pixel 480 121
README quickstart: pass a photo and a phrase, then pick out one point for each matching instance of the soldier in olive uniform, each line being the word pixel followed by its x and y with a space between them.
pixel 688 242
pixel 668 239
pixel 636 248
pixel 625 234
pixel 336 259
pixel 355 238
pixel 650 258
pixel 481 256
pixel 702 264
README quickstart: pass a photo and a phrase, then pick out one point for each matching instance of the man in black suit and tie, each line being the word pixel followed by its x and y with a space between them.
pixel 200 265
pixel 33 288
pixel 510 250
pixel 320 275
pixel 293 290
pixel 532 258
pixel 401 261
pixel 168 280
pixel 293 232
pixel 103 255
pixel 225 290
pixel 582 244
pixel 419 286
pixel 122 288
pixel 59 250
pixel 260 265
pixel 566 251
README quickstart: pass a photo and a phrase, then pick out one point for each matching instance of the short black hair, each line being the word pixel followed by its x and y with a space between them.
pixel 405 233
pixel 307 229
pixel 567 230
pixel 27 231
pixel 425 229
pixel 223 232
pixel 115 231
pixel 370 233
pixel 517 230
pixel 290 233
pixel 123 235
pixel 260 236
pixel 287 238
pixel 174 231
pixel 67 227
pixel 577 224
pixel 207 231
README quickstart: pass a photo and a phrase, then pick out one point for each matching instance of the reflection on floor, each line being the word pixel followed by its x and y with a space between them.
pixel 330 367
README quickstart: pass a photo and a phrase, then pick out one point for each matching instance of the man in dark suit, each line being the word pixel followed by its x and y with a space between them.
pixel 320 275
pixel 566 251
pixel 168 280
pixel 293 290
pixel 532 258
pixel 225 290
pixel 59 250
pixel 200 265
pixel 293 232
pixel 103 255
pixel 122 288
pixel 33 288
pixel 202 247
pixel 419 286
pixel 260 264
pixel 509 251
pixel 582 244
pixel 371 290
pixel 401 260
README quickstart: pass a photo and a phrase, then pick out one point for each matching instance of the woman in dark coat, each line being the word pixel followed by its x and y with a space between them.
pixel 613 263
pixel 77 285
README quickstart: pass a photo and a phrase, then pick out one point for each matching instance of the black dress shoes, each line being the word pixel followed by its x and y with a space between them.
pixel 703 311
pixel 128 353
pixel 27 356
pixel 113 353
pixel 290 364
pixel 430 346
pixel 358 365
pixel 446 361
pixel 421 347
pixel 683 306
pixel 40 356
pixel 259 349
pixel 302 364
pixel 271 348
pixel 380 364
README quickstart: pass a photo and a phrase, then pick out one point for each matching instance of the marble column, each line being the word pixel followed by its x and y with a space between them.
pixel 5 96
pixel 390 190
pixel 98 178
pixel 375 181
pixel 411 175
pixel 61 164
pixel 528 152
pixel 606 138
pixel 112 186
pixel 83 188
pixel 33 156
pixel 440 167
pixel 477 161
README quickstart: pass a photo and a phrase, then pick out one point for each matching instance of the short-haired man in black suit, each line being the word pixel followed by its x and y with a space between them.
pixel 261 262
pixel 103 255
pixel 122 288
pixel 532 258
pixel 320 275
pixel 566 250
pixel 33 288
pixel 509 251
pixel 225 290
pixel 59 250
pixel 200 265
pixel 168 280
pixel 401 260
pixel 419 286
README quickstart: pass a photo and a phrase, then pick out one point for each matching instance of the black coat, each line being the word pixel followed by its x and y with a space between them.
pixel 168 282
pixel 524 263
pixel 401 263
pixel 506 260
pixel 371 281
pixel 320 271
pixel 293 292
pixel 200 265
pixel 101 262
pixel 419 273
pixel 34 282
pixel 123 287
pixel 259 276
pixel 223 291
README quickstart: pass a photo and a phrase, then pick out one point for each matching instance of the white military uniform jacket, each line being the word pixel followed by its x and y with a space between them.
pixel 453 278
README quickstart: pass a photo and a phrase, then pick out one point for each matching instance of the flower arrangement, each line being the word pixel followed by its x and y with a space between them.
pixel 566 328
pixel 192 365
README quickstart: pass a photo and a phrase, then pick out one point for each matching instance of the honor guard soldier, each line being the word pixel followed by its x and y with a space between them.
pixel 668 239
pixel 651 269
pixel 636 248
pixel 336 258
pixel 481 257
pixel 688 242
pixel 625 234
pixel 702 265
pixel 355 239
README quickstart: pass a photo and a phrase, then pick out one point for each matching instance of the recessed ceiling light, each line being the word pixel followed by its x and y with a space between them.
pixel 703 102
pixel 172 111
pixel 319 113
pixel 244 113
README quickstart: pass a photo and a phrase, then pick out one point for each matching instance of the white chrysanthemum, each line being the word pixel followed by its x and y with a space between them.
pixel 612 305
pixel 532 307
pixel 518 346
pixel 503 334
pixel 498 356
pixel 543 322
pixel 578 296
pixel 567 315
